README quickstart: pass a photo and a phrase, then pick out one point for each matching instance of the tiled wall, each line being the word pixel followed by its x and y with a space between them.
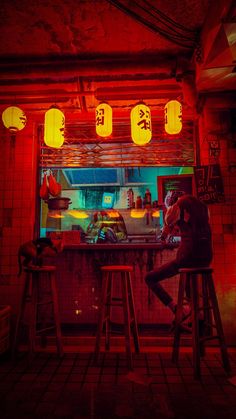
pixel 18 166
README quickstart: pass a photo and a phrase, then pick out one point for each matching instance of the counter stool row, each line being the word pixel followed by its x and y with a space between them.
pixel 202 299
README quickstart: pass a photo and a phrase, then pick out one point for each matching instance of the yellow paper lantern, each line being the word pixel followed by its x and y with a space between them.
pixel 54 125
pixel 103 120
pixel 14 118
pixel 141 126
pixel 173 117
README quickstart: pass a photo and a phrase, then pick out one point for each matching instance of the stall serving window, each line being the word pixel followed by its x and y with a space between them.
pixel 105 204
pixel 108 188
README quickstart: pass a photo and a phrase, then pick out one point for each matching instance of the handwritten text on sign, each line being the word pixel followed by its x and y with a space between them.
pixel 209 184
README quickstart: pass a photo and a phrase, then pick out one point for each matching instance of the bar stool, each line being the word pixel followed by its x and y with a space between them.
pixel 31 296
pixel 204 311
pixel 122 273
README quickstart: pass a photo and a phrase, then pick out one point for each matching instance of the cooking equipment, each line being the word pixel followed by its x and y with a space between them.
pixel 58 203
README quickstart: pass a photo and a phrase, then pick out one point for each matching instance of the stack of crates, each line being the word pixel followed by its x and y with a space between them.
pixel 4 328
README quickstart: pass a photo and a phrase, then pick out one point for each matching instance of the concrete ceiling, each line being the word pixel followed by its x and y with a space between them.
pixel 76 53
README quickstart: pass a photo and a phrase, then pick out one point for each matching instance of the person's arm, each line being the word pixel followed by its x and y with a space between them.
pixel 172 215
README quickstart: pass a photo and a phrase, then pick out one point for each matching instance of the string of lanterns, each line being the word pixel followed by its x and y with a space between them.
pixel 15 120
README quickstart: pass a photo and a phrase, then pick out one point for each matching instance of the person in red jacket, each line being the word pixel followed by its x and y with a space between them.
pixel 191 216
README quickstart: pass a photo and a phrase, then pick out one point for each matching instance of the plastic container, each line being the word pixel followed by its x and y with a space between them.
pixel 4 328
pixel 130 198
pixel 139 202
pixel 148 198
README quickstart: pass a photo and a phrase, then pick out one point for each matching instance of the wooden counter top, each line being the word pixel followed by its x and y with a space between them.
pixel 121 246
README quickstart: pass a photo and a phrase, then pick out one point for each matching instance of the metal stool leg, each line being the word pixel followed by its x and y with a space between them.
pixel 134 325
pixel 195 325
pixel 25 293
pixel 108 310
pixel 218 323
pixel 33 314
pixel 56 314
pixel 101 316
pixel 178 318
pixel 126 319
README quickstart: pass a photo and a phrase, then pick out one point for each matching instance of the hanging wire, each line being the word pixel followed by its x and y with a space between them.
pixel 180 39
pixel 164 19
pixel 167 18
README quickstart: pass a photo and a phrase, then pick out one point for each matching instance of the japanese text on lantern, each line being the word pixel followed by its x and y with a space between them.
pixel 145 120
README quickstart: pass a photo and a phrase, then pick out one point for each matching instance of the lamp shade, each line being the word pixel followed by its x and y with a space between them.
pixel 141 127
pixel 103 120
pixel 173 117
pixel 54 125
pixel 14 118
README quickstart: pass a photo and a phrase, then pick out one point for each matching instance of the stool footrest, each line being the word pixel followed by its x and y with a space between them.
pixel 42 303
pixel 45 329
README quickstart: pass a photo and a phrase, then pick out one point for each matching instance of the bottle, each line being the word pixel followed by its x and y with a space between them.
pixel 148 198
pixel 130 198
pixel 139 202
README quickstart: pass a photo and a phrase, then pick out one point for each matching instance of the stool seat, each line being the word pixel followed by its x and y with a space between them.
pixel 117 268
pixel 196 288
pixel 31 295
pixel 122 274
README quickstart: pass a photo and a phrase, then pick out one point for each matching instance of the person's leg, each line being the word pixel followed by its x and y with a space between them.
pixel 153 279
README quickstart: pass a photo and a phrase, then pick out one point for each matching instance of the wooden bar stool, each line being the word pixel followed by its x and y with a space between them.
pixel 122 273
pixel 204 312
pixel 31 297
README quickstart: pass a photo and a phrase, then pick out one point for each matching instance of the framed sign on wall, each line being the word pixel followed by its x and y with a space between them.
pixel 167 184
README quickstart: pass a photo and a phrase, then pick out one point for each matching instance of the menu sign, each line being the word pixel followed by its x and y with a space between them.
pixel 171 183
pixel 209 184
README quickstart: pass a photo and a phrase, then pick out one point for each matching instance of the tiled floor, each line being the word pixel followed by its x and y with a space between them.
pixel 74 388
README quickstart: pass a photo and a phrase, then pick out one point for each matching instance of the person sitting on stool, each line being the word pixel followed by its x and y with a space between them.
pixel 191 216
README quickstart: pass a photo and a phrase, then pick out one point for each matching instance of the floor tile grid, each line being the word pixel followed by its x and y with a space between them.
pixel 74 383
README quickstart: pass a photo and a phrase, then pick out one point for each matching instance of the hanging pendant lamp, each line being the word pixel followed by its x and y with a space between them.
pixel 141 126
pixel 54 125
pixel 14 119
pixel 103 120
pixel 173 117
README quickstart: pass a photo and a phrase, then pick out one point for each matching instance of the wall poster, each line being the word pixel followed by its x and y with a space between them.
pixel 165 184
pixel 209 184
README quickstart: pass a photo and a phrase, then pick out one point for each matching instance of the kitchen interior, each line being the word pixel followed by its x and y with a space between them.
pixel 109 193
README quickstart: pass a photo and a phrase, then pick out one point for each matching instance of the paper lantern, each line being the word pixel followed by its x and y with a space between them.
pixel 141 127
pixel 103 120
pixel 14 118
pixel 54 125
pixel 173 117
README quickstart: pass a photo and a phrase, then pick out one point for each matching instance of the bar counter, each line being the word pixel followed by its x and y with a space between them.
pixel 80 280
pixel 120 246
